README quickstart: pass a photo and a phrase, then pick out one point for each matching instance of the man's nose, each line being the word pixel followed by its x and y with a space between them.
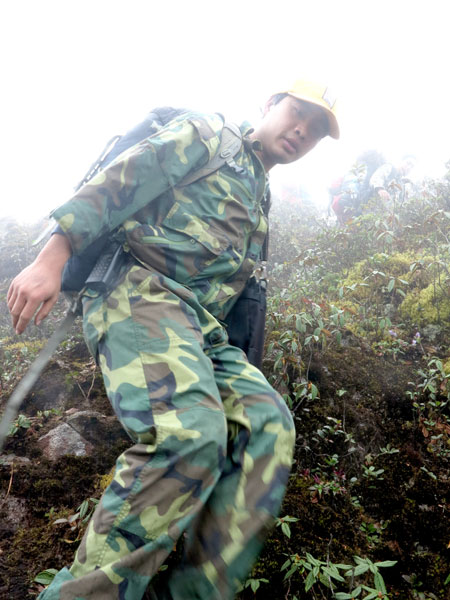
pixel 301 130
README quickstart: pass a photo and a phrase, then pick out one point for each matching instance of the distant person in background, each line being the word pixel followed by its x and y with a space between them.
pixel 388 179
pixel 350 193
pixel 293 195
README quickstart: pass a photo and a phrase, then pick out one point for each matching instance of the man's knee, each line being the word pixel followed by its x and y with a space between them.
pixel 198 434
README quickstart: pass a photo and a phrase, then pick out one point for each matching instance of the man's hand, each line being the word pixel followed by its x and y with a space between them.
pixel 37 287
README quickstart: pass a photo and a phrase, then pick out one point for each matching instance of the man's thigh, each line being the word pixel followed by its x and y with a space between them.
pixel 149 341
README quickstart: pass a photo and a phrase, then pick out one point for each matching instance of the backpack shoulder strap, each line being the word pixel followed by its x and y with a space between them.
pixel 157 118
pixel 230 144
pixel 98 162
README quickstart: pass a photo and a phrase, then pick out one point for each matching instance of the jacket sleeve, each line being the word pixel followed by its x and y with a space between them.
pixel 137 177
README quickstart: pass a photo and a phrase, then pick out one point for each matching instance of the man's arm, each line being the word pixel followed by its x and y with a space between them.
pixel 113 195
pixel 378 181
pixel 37 287
pixel 138 177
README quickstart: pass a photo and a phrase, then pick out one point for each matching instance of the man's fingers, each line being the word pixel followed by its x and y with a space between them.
pixel 24 316
pixel 23 309
pixel 15 308
pixel 36 288
pixel 10 295
pixel 45 309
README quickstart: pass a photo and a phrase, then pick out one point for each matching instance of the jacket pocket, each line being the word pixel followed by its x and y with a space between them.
pixel 180 248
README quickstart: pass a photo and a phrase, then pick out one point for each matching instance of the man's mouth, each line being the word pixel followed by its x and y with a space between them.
pixel 290 145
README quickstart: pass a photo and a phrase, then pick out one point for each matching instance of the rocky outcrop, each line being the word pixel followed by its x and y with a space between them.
pixel 82 432
pixel 64 440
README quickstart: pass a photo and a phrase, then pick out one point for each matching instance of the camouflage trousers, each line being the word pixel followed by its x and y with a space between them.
pixel 211 456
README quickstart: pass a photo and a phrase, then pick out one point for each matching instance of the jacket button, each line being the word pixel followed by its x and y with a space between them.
pixel 215 337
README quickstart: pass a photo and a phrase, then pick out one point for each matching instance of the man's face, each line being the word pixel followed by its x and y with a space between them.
pixel 289 130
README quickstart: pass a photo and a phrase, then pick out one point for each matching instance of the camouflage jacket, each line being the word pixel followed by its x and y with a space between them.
pixel 206 235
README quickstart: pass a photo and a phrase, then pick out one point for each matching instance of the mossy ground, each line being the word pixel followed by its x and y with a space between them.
pixel 400 515
pixel 371 472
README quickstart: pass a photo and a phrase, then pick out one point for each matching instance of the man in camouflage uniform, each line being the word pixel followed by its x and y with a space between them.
pixel 213 441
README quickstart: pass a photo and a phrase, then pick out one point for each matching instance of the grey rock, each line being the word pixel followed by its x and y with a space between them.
pixel 14 515
pixel 64 440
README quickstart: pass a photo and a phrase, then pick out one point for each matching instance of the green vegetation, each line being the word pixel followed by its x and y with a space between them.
pixel 357 343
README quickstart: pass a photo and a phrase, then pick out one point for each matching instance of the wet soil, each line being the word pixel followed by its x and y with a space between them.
pixel 363 418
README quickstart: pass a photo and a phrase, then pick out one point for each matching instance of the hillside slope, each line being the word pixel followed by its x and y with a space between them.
pixel 358 343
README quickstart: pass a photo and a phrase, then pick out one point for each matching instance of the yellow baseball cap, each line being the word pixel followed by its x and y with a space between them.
pixel 318 94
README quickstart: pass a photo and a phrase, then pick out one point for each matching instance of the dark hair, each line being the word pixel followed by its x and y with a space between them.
pixel 278 97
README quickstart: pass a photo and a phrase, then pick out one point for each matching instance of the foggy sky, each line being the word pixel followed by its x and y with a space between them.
pixel 75 73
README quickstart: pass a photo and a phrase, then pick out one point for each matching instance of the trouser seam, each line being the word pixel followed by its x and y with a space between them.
pixel 133 490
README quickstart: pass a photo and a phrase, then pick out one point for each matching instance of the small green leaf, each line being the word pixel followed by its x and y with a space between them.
pixel 45 577
pixel 83 508
pixel 290 572
pixel 379 583
pixel 313 560
pixel 386 563
pixel 299 325
pixel 360 569
pixel 309 581
pixel 333 573
pixel 286 564
pixel 372 595
pixel 326 581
